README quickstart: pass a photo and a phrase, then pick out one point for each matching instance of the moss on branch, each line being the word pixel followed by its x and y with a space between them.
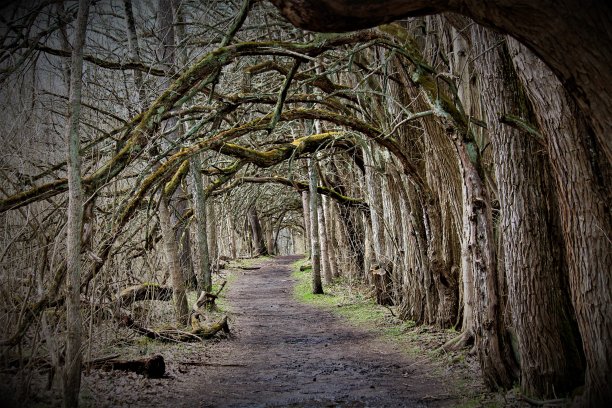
pixel 137 134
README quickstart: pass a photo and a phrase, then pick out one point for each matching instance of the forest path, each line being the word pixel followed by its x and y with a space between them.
pixel 286 353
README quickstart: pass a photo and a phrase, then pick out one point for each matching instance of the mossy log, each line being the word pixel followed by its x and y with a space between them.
pixel 151 367
pixel 209 331
pixel 199 332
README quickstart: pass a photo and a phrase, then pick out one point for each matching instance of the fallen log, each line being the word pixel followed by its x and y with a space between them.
pixel 152 367
pixel 145 291
pixel 248 268
pixel 207 332
pixel 199 332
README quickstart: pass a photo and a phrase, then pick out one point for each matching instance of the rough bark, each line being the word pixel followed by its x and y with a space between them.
pixel 582 176
pixel 71 383
pixel 541 314
pixel 482 264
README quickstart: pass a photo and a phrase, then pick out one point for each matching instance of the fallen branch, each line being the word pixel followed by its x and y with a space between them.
pixel 198 332
pixel 198 363
pixel 248 268
pixel 152 367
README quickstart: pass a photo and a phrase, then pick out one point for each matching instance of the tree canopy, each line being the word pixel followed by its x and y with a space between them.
pixel 464 156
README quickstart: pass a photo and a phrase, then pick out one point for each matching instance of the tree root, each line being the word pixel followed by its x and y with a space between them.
pixel 462 341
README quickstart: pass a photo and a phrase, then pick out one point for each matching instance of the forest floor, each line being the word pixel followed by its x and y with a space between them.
pixel 284 352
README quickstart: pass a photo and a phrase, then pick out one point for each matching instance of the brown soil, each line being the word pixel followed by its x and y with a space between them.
pixel 289 354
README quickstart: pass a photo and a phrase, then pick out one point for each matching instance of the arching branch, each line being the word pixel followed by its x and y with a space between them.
pixel 303 186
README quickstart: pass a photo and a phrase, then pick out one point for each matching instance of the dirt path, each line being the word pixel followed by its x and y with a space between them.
pixel 289 354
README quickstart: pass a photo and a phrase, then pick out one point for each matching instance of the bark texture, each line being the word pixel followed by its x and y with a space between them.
pixel 259 242
pixel 533 263
pixel 582 175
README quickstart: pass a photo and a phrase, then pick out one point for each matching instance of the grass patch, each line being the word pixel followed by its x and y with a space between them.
pixel 353 302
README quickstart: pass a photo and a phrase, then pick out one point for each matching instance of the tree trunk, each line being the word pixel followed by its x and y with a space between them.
pixel 258 237
pixel 482 264
pixel 306 214
pixel 315 248
pixel 232 236
pixel 179 295
pixel 72 368
pixel 269 234
pixel 199 200
pixel 323 239
pixel 134 50
pixel 331 243
pixel 213 241
pixel 178 201
pixel 582 177
pixel 541 312
pixel 373 183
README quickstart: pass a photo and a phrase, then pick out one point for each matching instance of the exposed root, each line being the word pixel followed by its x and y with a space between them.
pixel 462 341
